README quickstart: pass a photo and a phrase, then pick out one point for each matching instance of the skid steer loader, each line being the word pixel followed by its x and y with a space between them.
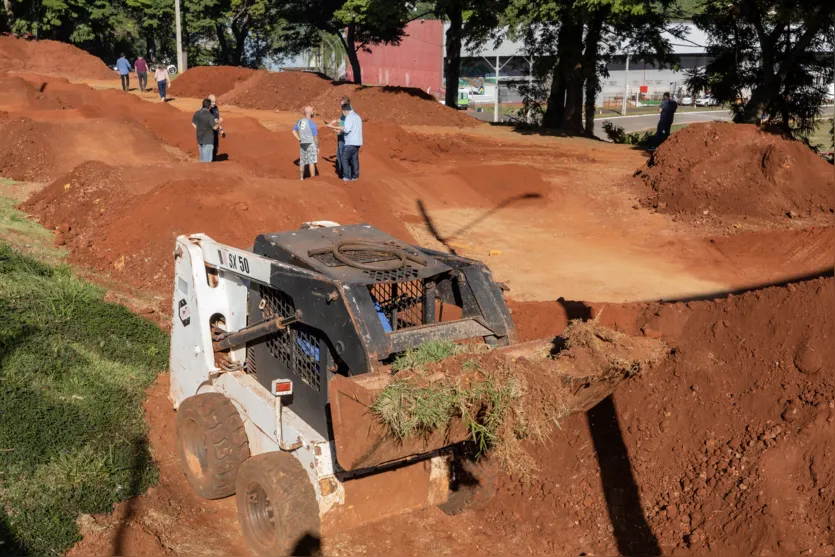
pixel 275 358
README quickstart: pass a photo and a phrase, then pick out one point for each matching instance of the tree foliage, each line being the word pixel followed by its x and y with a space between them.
pixel 767 53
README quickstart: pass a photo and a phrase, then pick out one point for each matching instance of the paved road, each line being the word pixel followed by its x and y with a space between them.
pixel 649 121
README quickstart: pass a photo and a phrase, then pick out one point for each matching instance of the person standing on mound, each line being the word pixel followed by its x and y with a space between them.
pixel 352 130
pixel 306 132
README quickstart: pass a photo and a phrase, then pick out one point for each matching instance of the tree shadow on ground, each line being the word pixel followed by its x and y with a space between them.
pixel 445 240
pixel 623 501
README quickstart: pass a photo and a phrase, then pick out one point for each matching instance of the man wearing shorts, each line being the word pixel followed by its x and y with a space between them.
pixel 308 135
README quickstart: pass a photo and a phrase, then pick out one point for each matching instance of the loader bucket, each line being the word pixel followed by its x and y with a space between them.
pixel 361 440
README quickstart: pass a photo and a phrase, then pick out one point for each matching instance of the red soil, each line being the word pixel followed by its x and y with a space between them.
pixel 734 171
pixel 51 58
pixel 278 91
pixel 202 81
pixel 727 448
pixel 290 91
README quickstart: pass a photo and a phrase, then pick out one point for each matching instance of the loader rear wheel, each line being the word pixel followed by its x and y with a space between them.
pixel 473 485
pixel 277 508
pixel 212 444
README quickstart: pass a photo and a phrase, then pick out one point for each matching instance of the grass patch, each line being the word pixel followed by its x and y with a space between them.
pixel 409 410
pixel 425 354
pixel 25 234
pixel 73 373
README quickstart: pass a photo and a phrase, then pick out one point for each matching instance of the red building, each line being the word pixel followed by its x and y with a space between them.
pixel 416 62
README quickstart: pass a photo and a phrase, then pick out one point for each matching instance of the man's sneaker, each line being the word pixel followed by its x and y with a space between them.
pixel 355 179
pixel 346 180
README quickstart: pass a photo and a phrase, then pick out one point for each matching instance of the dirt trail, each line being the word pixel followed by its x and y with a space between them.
pixel 555 219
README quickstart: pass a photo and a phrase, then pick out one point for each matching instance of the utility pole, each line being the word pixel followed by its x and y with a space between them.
pixel 625 88
pixel 496 102
pixel 181 65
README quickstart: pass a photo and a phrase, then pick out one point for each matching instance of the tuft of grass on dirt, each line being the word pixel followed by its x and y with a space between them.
pixel 425 354
pixel 24 234
pixel 73 373
pixel 505 400
pixel 409 410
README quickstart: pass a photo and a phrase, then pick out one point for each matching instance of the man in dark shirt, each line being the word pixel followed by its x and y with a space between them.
pixel 141 67
pixel 667 112
pixel 219 131
pixel 205 124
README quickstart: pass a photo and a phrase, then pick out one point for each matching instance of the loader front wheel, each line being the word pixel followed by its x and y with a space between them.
pixel 277 508
pixel 212 444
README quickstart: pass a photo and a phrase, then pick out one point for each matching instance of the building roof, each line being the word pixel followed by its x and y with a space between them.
pixel 694 42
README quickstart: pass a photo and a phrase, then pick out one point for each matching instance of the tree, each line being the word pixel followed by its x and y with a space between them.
pixel 359 24
pixel 573 41
pixel 233 32
pixel 769 48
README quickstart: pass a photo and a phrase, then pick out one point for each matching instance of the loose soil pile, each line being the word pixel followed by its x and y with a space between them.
pixel 202 81
pixel 717 450
pixel 736 171
pixel 515 393
pixel 50 58
pixel 290 91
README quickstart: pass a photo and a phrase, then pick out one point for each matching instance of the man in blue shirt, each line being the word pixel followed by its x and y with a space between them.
pixel 124 68
pixel 352 131
pixel 667 112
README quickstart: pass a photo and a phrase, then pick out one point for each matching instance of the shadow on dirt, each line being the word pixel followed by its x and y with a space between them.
pixel 623 501
pixel 445 240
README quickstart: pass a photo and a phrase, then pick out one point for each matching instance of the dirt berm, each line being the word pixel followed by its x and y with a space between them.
pixel 290 91
pixel 735 172
pixel 50 58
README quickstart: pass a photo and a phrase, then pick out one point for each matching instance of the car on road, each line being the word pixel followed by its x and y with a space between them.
pixel 707 100
pixel 686 101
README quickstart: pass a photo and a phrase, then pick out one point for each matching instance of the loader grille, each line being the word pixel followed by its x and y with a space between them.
pixel 402 303
pixel 295 348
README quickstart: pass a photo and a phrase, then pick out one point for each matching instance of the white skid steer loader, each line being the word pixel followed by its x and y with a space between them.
pixel 276 355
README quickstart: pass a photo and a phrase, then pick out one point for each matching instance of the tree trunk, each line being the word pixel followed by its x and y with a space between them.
pixel 572 117
pixel 452 64
pixel 351 51
pixel 564 108
pixel 240 44
pixel 222 43
pixel 592 57
pixel 756 105
pixel 556 100
pixel 7 5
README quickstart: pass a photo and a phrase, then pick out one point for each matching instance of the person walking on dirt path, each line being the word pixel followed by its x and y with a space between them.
pixel 308 136
pixel 163 80
pixel 667 112
pixel 337 124
pixel 219 131
pixel 124 68
pixel 352 130
pixel 141 68
pixel 205 124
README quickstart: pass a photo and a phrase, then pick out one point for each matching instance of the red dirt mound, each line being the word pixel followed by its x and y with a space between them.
pixel 51 58
pixel 398 105
pixel 725 441
pixel 278 91
pixel 24 151
pixel 737 171
pixel 290 91
pixel 124 221
pixel 201 81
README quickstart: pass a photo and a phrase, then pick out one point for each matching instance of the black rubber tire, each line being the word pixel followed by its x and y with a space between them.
pixel 212 444
pixel 277 508
pixel 473 484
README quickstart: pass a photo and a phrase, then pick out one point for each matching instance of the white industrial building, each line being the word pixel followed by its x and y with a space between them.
pixel 515 66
